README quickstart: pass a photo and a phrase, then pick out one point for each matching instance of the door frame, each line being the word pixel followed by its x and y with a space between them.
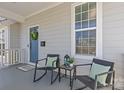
pixel 28 45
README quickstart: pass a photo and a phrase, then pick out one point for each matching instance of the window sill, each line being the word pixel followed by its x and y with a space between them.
pixel 84 57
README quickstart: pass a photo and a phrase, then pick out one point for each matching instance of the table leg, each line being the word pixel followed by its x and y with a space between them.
pixel 75 73
pixel 59 74
pixel 70 78
pixel 65 72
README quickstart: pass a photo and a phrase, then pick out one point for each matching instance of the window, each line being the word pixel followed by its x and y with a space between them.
pixel 2 36
pixel 85 29
pixel 2 46
pixel 2 41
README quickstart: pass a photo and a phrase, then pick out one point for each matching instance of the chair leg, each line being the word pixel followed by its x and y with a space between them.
pixel 39 77
pixel 113 80
pixel 34 74
pixel 51 76
pixel 53 80
pixel 59 74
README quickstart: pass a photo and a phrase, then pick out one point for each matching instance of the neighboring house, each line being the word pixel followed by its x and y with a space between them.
pixel 81 30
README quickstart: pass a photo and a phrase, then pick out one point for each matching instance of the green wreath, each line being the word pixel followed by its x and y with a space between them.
pixel 34 35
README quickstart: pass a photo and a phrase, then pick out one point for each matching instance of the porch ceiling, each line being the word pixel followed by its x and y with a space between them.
pixel 23 10
pixel 5 21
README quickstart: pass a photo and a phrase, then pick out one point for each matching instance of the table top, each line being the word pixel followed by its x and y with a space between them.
pixel 66 67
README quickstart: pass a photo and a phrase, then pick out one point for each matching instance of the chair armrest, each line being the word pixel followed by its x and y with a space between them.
pixel 40 60
pixel 96 76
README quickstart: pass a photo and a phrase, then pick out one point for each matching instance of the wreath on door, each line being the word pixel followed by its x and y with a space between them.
pixel 34 35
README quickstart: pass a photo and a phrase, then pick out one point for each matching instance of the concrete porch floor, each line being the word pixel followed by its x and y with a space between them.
pixel 13 79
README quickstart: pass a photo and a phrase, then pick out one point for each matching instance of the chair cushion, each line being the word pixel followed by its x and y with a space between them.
pixel 50 61
pixel 98 69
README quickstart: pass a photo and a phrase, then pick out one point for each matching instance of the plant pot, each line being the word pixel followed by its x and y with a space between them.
pixel 71 65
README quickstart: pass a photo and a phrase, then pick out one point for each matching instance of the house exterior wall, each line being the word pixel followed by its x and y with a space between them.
pixel 55 29
pixel 113 35
pixel 14 35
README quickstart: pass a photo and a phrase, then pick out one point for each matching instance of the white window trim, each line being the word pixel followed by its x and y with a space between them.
pixel 7 40
pixel 99 42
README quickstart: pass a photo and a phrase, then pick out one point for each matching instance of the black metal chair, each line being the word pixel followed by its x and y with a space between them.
pixel 93 83
pixel 47 68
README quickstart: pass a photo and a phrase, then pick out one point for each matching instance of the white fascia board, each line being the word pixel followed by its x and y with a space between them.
pixel 37 12
pixel 11 15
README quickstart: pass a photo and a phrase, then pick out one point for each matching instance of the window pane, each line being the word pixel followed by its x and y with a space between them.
pixel 92 50
pixel 78 9
pixel 78 25
pixel 92 34
pixel 78 17
pixel 85 7
pixel 78 38
pixel 85 50
pixel 92 42
pixel 78 35
pixel 92 23
pixel 84 42
pixel 85 16
pixel 78 50
pixel 92 14
pixel 85 34
pixel 92 5
pixel 84 24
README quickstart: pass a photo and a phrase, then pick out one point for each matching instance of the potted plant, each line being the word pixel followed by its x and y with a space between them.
pixel 71 62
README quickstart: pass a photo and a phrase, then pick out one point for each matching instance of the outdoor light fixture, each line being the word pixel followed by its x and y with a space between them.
pixel 42 44
pixel 2 19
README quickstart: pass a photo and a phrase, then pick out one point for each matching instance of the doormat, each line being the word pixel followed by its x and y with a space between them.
pixel 26 68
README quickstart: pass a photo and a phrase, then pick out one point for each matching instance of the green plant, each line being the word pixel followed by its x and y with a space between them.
pixel 34 35
pixel 71 61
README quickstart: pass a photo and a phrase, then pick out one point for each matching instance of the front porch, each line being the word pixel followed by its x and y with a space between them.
pixel 81 30
pixel 13 79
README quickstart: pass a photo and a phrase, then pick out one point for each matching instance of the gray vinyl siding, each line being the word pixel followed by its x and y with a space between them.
pixel 14 32
pixel 113 35
pixel 55 29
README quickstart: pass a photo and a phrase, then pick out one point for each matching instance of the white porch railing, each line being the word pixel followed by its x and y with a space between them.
pixel 11 56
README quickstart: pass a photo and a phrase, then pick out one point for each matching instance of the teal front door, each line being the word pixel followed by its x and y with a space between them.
pixel 33 45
